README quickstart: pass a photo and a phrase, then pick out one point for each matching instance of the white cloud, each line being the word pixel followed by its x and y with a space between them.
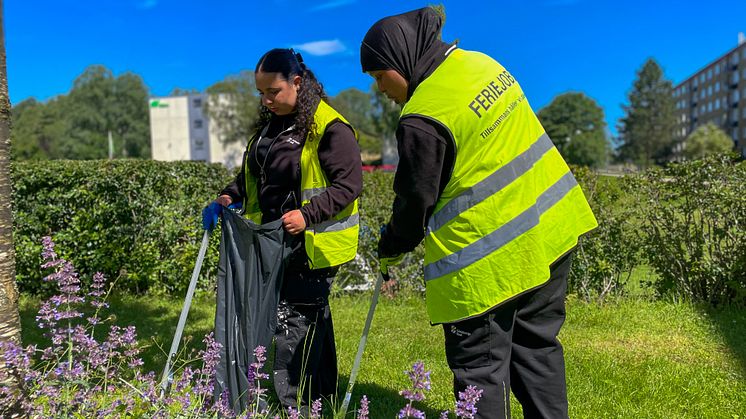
pixel 331 5
pixel 322 47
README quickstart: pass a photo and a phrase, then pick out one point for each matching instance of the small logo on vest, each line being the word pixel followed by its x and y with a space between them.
pixel 458 332
pixel 292 141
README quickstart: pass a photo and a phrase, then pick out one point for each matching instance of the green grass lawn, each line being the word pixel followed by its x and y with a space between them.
pixel 628 359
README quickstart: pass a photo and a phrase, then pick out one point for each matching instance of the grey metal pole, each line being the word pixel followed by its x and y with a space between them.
pixel 361 346
pixel 167 373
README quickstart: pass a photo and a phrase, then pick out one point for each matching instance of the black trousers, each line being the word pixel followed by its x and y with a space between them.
pixel 515 347
pixel 305 365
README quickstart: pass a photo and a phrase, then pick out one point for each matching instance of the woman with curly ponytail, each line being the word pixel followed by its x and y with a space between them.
pixel 302 166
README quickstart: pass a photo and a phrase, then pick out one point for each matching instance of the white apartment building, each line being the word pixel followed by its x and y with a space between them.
pixel 181 130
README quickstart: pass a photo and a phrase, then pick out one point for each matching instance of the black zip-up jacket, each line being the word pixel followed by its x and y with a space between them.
pixel 277 156
pixel 427 153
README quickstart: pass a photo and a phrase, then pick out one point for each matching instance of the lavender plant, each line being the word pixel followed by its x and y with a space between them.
pixel 89 370
pixel 466 405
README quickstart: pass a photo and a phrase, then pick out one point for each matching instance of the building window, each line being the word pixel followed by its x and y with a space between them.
pixel 199 144
pixel 702 78
pixel 709 91
pixel 717 69
pixel 197 102
pixel 709 74
pixel 709 106
pixel 717 86
pixel 717 104
pixel 702 94
pixel 197 123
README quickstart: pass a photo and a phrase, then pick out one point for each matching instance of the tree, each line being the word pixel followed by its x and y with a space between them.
pixel 76 126
pixel 233 105
pixel 648 126
pixel 385 114
pixel 706 140
pixel 98 103
pixel 576 124
pixel 10 324
pixel 358 108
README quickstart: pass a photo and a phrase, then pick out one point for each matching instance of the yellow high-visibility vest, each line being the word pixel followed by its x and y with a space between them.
pixel 511 208
pixel 331 242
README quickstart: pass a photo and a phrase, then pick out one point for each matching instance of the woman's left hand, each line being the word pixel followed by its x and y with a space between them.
pixel 293 222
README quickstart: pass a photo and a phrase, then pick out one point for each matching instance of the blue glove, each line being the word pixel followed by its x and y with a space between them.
pixel 212 212
pixel 210 216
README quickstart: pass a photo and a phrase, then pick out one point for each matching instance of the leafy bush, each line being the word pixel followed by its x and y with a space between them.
pixel 375 210
pixel 605 257
pixel 135 221
pixel 693 228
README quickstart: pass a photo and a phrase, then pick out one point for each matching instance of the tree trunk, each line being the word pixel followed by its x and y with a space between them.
pixel 10 325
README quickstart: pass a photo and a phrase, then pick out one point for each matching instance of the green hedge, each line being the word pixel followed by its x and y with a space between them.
pixel 136 221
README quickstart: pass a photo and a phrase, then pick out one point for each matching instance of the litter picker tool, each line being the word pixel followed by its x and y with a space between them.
pixel 361 345
pixel 167 373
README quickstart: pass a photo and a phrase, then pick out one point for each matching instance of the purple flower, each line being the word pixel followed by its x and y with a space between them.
pixel 410 412
pixel 97 291
pixel 420 383
pixel 444 414
pixel 364 410
pixel 293 413
pixel 222 406
pixel 316 409
pixel 466 406
pixel 48 254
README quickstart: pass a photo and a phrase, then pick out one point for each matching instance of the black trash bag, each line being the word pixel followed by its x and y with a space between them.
pixel 252 262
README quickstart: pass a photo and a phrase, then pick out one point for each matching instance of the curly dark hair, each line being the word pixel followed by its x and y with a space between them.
pixel 290 64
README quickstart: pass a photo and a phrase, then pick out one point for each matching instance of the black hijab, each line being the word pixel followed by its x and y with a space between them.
pixel 408 43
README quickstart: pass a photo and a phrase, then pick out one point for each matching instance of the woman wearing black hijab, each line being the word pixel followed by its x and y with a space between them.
pixel 500 212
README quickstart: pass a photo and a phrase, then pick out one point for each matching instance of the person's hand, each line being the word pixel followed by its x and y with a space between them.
pixel 226 200
pixel 388 261
pixel 293 222
pixel 385 259
pixel 210 215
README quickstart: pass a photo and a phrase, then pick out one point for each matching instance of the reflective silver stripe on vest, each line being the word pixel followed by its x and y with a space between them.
pixel 307 194
pixel 329 226
pixel 503 235
pixel 492 184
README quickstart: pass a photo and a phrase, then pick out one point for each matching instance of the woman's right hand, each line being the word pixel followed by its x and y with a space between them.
pixel 224 200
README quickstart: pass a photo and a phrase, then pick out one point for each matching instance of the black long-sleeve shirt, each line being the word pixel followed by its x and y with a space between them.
pixel 427 153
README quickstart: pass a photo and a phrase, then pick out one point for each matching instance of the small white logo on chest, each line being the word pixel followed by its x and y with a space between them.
pixel 292 141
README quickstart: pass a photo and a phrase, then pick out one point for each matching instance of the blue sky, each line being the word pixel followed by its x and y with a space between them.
pixel 550 46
